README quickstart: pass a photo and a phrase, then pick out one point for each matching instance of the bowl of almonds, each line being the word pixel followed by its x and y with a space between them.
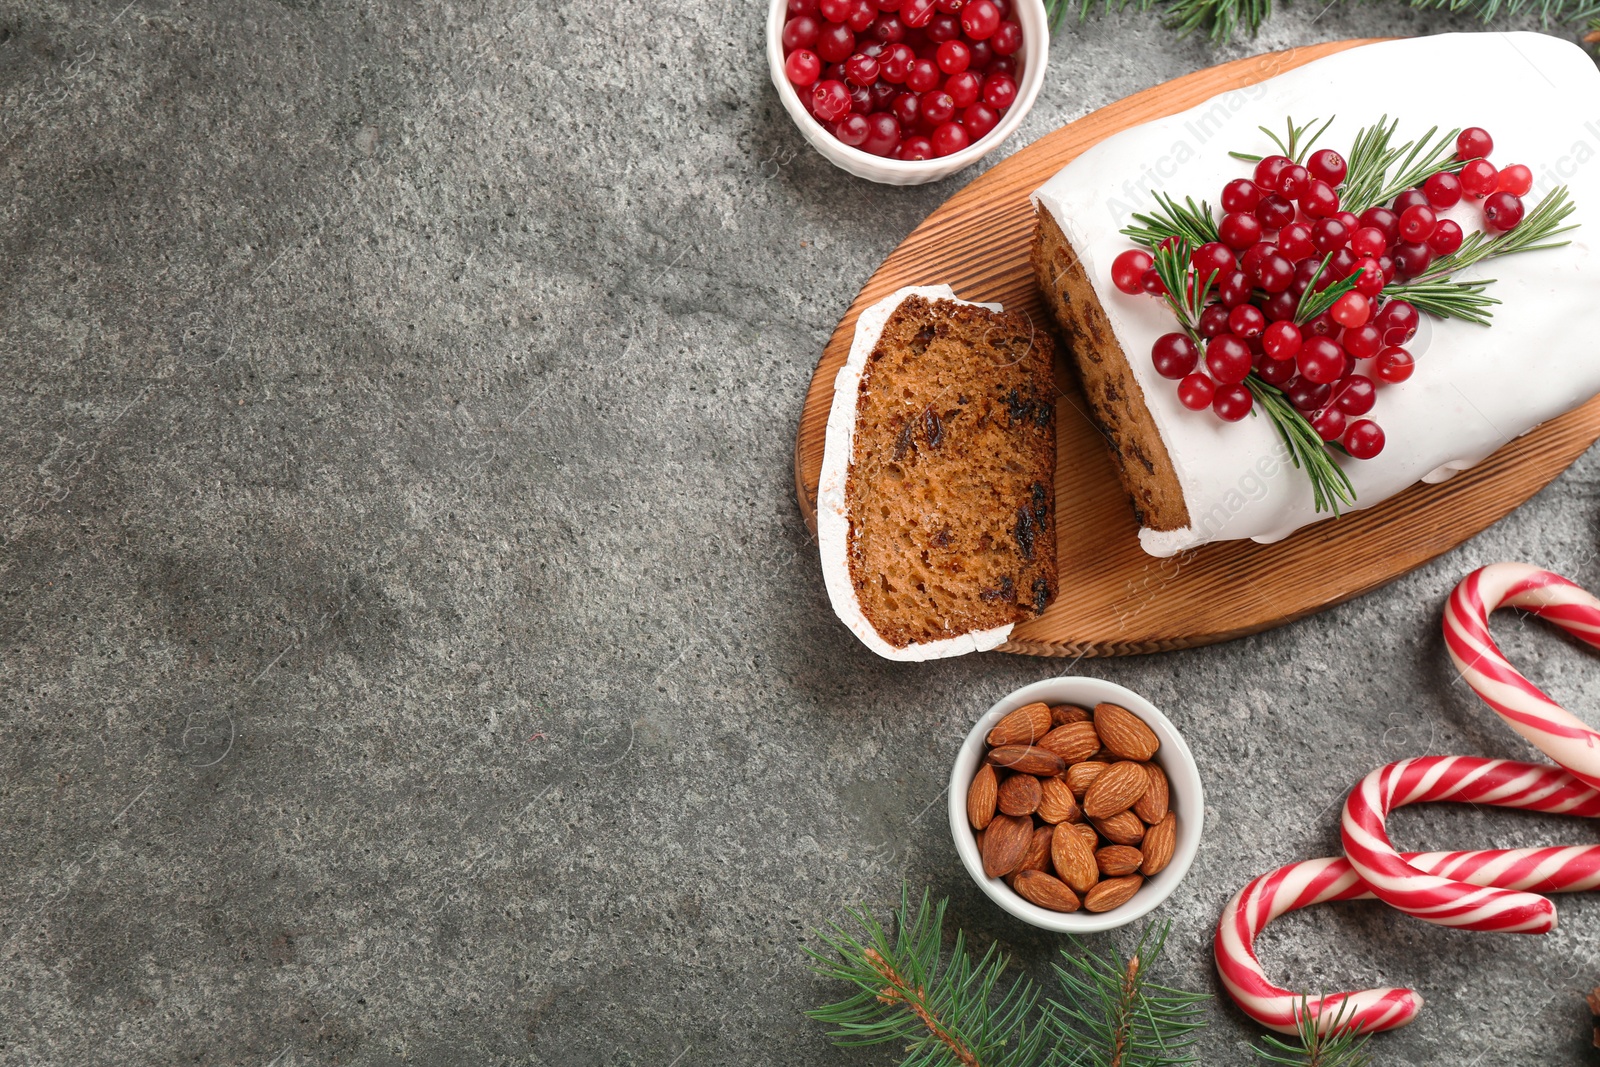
pixel 1076 805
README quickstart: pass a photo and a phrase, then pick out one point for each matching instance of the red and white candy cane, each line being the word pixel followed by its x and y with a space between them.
pixel 1549 727
pixel 1441 898
pixel 1555 870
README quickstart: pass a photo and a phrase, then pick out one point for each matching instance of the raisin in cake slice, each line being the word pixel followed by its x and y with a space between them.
pixel 1193 478
pixel 935 507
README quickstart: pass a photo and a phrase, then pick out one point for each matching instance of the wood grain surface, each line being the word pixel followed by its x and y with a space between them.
pixel 1114 599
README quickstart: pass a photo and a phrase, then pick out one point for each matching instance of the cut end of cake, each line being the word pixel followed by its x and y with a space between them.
pixel 1116 400
pixel 949 496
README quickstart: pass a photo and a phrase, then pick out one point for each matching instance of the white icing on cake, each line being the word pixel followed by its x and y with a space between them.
pixel 1475 388
pixel 833 511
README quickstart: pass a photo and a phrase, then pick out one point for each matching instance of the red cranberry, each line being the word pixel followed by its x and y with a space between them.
pixel 1342 263
pixel 1412 259
pixel 852 129
pixel 1275 211
pixel 1281 341
pixel 1473 142
pixel 1479 178
pixel 1351 311
pixel 963 88
pixel 1446 238
pixel 800 32
pixel 1295 241
pixel 914 148
pixel 1329 234
pixel 1152 283
pixel 861 70
pixel 1233 288
pixel 980 19
pixel 836 10
pixel 1383 219
pixel 1241 194
pixel 924 75
pixel 1516 180
pixel 1276 273
pixel 896 63
pixel 1212 256
pixel 1213 321
pixel 1417 223
pixel 938 108
pixel 1364 439
pixel 1128 268
pixel 1232 403
pixel 999 90
pixel 835 43
pixel 1006 39
pixel 1368 241
pixel 1276 372
pixel 1502 211
pixel 907 109
pixel 1320 360
pixel 1305 394
pixel 884 135
pixel 942 28
pixel 1319 200
pixel 1006 65
pixel 979 119
pixel 830 100
pixel 1239 230
pixel 953 57
pixel 1443 190
pixel 1253 256
pixel 1398 320
pixel 887 29
pixel 802 7
pixel 1246 321
pixel 1329 423
pixel 802 68
pixel 860 99
pixel 1267 171
pixel 1281 307
pixel 983 54
pixel 916 14
pixel 1394 365
pixel 950 7
pixel 1409 199
pixel 883 95
pixel 1370 283
pixel 1195 392
pixel 1363 342
pixel 1355 395
pixel 863 16
pixel 950 138
pixel 1292 181
pixel 1174 355
pixel 1328 166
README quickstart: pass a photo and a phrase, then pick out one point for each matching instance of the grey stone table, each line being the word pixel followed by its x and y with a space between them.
pixel 412 652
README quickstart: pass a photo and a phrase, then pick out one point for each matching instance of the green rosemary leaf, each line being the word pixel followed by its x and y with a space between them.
pixel 1188 222
pixel 1314 302
pixel 1538 229
pixel 1330 486
pixel 1447 299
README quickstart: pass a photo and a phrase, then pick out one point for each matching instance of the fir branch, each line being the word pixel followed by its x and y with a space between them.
pixel 1189 222
pixel 1314 301
pixel 1341 1046
pixel 945 1012
pixel 1330 486
pixel 1112 1015
pixel 1373 177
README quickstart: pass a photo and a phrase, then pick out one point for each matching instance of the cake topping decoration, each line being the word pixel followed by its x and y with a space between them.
pixel 1297 301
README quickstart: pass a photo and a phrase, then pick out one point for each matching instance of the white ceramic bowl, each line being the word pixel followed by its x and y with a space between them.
pixel 1034 54
pixel 1188 800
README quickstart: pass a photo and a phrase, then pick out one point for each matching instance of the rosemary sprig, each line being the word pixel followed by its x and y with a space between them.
pixel 1296 147
pixel 1314 302
pixel 1373 177
pixel 1340 1046
pixel 1186 293
pixel 1447 299
pixel 1330 486
pixel 1189 222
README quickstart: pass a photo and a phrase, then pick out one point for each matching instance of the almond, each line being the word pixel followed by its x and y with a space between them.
pixel 1046 890
pixel 1020 794
pixel 1159 842
pixel 1115 790
pixel 1022 727
pixel 1152 807
pixel 1090 835
pixel 1112 893
pixel 1073 859
pixel 1062 714
pixel 1080 776
pixel 1026 759
pixel 1115 861
pixel 1123 828
pixel 1037 858
pixel 1125 733
pixel 1056 802
pixel 1074 742
pixel 981 797
pixel 1005 842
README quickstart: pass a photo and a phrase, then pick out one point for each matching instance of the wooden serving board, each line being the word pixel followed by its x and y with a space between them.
pixel 1114 599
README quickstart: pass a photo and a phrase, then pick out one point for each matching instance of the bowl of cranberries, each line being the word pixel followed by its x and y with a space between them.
pixel 906 91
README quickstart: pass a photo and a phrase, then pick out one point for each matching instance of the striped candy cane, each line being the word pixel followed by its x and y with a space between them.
pixel 1298 885
pixel 1440 898
pixel 1550 728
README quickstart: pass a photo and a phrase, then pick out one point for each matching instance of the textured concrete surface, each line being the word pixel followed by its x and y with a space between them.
pixel 410 648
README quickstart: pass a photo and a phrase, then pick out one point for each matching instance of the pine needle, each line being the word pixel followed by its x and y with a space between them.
pixel 1342 1046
